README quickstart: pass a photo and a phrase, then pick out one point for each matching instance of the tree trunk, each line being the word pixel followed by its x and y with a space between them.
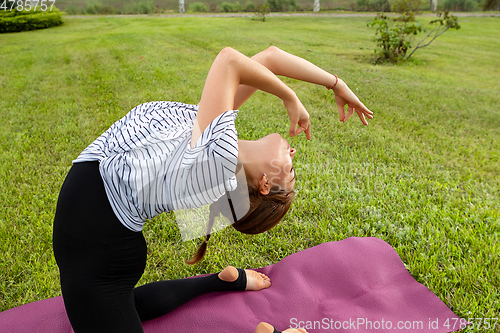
pixel 434 5
pixel 181 6
pixel 316 6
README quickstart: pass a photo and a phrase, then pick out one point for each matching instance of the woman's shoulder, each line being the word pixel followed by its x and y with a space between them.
pixel 221 129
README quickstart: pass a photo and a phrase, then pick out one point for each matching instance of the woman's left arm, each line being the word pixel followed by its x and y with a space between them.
pixel 230 69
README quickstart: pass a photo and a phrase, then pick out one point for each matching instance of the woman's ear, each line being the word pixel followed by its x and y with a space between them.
pixel 264 186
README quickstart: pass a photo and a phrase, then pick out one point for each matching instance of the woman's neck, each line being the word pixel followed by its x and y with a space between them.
pixel 248 154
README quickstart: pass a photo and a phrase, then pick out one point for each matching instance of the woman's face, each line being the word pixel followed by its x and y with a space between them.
pixel 276 157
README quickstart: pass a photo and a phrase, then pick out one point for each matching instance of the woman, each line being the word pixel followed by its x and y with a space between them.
pixel 165 156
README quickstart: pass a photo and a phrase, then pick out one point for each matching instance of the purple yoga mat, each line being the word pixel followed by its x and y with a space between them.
pixel 353 285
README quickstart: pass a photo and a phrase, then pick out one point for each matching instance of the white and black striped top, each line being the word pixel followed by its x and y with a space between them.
pixel 148 166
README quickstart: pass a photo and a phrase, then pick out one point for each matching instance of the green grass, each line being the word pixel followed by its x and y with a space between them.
pixel 423 176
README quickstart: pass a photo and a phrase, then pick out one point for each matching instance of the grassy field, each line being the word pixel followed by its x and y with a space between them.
pixel 423 176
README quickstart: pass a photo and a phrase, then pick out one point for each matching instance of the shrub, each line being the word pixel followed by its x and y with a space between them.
pixel 238 7
pixel 394 42
pixel 198 7
pixel 461 5
pixel 373 6
pixel 250 7
pixel 406 6
pixel 144 7
pixel 98 8
pixel 227 7
pixel 72 10
pixel 262 11
pixel 25 20
pixel 213 8
pixel 281 5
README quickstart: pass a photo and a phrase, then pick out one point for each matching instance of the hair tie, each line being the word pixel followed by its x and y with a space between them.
pixel 336 81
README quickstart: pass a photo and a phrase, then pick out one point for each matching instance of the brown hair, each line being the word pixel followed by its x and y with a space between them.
pixel 265 212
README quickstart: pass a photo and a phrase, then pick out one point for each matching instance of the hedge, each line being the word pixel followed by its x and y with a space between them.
pixel 24 20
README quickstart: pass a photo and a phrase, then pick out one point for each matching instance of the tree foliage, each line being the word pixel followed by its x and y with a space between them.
pixel 491 5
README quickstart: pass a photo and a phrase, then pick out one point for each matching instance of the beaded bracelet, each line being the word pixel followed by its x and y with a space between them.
pixel 336 81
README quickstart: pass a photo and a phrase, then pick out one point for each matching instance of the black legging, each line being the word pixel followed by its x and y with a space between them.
pixel 100 261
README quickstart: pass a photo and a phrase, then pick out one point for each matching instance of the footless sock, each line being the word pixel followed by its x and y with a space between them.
pixel 158 298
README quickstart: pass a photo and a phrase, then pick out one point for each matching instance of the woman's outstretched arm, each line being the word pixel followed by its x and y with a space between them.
pixel 283 63
pixel 231 69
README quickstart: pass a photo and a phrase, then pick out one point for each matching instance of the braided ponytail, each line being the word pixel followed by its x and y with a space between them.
pixel 214 212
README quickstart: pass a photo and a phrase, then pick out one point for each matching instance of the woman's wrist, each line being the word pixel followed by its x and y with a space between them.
pixel 340 84
pixel 332 86
pixel 289 98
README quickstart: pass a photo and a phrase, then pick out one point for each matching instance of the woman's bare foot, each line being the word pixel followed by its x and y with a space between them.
pixel 255 280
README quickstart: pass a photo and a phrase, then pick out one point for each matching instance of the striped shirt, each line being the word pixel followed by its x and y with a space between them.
pixel 148 166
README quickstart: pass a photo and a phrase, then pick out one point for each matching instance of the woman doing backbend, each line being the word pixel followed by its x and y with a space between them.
pixel 165 156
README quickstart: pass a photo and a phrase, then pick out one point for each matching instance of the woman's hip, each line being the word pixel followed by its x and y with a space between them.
pixel 87 235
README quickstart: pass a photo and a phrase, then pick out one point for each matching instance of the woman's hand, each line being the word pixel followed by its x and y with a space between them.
pixel 298 117
pixel 343 96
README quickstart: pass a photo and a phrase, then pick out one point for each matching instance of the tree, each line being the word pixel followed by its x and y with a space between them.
pixel 491 5
pixel 434 5
pixel 395 41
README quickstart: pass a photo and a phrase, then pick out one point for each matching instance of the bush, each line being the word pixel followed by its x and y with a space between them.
pixel 25 20
pixel 406 6
pixel 262 12
pixel 72 10
pixel 198 7
pixel 213 8
pixel 281 5
pixel 250 7
pixel 394 42
pixel 98 8
pixel 227 7
pixel 461 5
pixel 373 6
pixel 144 7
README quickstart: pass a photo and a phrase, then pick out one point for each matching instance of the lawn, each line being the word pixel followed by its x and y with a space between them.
pixel 423 176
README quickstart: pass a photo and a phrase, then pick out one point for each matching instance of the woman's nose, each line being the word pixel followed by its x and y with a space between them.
pixel 292 153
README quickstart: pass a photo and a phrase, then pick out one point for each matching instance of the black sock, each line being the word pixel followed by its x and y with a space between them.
pixel 158 298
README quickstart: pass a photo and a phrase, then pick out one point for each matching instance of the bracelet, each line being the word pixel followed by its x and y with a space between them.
pixel 336 81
